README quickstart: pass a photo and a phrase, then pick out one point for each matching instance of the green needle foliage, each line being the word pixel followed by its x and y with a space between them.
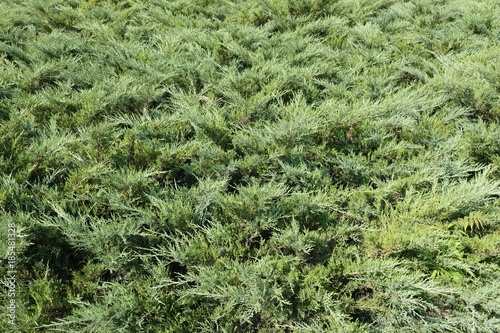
pixel 251 166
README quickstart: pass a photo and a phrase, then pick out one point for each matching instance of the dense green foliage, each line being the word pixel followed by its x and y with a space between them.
pixel 252 166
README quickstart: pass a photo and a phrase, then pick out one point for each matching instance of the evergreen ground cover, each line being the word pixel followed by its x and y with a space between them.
pixel 251 166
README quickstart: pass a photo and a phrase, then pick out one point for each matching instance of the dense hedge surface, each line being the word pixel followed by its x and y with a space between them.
pixel 251 166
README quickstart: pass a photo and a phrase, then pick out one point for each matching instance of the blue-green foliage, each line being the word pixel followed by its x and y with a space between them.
pixel 252 166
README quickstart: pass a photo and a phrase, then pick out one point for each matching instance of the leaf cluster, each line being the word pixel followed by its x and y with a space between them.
pixel 262 166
